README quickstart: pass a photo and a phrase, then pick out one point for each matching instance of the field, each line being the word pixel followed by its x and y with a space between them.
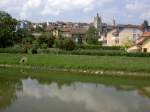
pixel 129 64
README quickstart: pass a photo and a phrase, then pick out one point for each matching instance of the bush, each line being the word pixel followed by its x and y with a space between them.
pixel 138 54
pixel 65 43
pixel 43 51
pixel 10 50
pixel 46 38
pixel 44 46
pixel 69 44
pixel 32 51
pixel 98 53
pixel 101 47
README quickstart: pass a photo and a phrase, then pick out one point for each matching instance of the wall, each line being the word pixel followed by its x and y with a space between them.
pixel 146 44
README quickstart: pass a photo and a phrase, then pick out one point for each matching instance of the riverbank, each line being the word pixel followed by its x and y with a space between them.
pixel 89 64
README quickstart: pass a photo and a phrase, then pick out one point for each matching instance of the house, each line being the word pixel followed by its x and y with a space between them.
pixel 23 25
pixel 122 33
pixel 77 34
pixel 144 42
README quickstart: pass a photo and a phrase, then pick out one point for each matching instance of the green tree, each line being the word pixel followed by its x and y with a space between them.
pixel 22 35
pixel 46 38
pixel 65 43
pixel 7 29
pixel 92 35
pixel 39 29
pixel 145 25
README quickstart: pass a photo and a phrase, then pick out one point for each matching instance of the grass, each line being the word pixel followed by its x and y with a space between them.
pixel 129 64
pixel 47 77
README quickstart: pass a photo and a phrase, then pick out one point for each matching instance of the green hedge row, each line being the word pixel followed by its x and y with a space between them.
pixel 101 47
pixel 94 53
pixel 79 52
pixel 10 50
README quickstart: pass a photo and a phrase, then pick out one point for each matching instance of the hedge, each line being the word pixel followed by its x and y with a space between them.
pixel 101 47
pixel 95 53
pixel 10 50
pixel 80 52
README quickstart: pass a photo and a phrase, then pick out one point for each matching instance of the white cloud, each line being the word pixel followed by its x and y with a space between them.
pixel 138 7
pixel 52 7
pixel 43 10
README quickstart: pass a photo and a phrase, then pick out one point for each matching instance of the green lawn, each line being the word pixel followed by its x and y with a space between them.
pixel 136 64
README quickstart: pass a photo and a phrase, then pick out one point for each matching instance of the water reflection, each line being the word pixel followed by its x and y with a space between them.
pixel 76 96
pixel 8 90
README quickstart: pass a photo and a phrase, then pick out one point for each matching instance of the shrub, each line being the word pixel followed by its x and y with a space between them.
pixel 101 47
pixel 98 53
pixel 46 38
pixel 65 43
pixel 10 50
pixel 69 44
pixel 32 51
pixel 138 54
pixel 44 46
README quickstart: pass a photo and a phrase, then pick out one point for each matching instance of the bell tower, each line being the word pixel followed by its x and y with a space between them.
pixel 98 24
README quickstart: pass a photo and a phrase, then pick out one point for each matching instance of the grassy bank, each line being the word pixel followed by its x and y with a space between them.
pixel 47 77
pixel 118 63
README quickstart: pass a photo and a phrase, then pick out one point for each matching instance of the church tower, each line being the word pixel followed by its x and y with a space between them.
pixel 98 24
pixel 114 22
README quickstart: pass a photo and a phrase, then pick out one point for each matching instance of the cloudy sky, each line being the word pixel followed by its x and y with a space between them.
pixel 124 11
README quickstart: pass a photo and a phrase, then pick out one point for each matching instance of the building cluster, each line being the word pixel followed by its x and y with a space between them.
pixel 109 35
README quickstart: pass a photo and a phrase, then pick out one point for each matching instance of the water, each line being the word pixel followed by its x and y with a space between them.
pixel 32 94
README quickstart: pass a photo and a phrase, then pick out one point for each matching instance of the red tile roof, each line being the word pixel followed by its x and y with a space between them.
pixel 143 38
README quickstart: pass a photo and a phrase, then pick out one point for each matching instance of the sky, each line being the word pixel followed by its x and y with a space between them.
pixel 124 11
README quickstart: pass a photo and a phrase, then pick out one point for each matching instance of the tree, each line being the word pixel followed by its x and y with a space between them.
pixel 145 25
pixel 22 35
pixel 7 28
pixel 65 43
pixel 39 29
pixel 92 35
pixel 46 38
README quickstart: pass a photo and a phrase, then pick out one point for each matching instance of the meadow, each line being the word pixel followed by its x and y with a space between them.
pixel 117 63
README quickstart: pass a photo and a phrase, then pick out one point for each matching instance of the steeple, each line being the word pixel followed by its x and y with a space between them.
pixel 114 22
pixel 98 23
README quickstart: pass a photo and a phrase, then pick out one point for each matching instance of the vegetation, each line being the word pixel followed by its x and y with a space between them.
pixel 46 40
pixel 7 28
pixel 129 43
pixel 65 43
pixel 99 47
pixel 92 35
pixel 133 64
pixel 145 25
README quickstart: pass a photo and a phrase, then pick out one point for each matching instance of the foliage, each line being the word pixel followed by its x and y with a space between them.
pixel 145 24
pixel 24 33
pixel 65 43
pixel 7 28
pixel 98 47
pixel 39 29
pixel 10 50
pixel 46 39
pixel 128 43
pixel 92 35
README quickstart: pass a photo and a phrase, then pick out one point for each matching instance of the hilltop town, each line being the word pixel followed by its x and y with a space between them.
pixel 109 35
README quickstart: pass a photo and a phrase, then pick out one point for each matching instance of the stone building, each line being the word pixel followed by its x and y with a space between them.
pixel 122 33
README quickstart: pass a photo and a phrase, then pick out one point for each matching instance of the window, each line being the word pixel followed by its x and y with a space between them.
pixel 117 41
pixel 134 37
pixel 145 50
